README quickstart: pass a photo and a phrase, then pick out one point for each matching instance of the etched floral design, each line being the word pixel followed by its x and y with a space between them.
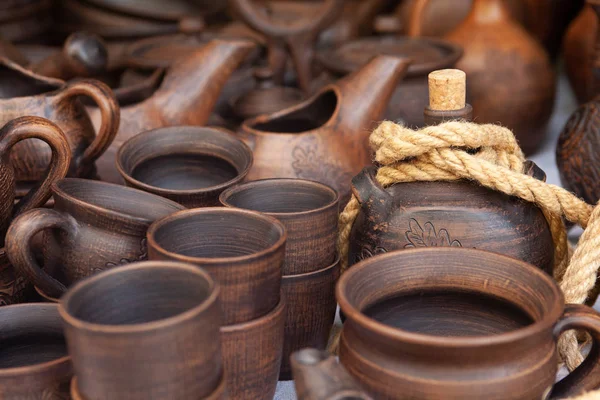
pixel 310 163
pixel 143 256
pixel 367 252
pixel 428 236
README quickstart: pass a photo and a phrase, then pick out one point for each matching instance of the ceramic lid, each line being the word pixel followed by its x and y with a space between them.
pixel 427 54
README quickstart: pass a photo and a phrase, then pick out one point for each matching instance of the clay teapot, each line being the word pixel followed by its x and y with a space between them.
pixel 325 137
pixel 186 96
pixel 578 52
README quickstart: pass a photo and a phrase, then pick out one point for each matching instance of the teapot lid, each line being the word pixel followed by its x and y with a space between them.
pixel 427 54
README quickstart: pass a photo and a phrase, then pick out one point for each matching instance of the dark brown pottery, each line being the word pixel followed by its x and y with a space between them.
pixel 96 226
pixel 319 376
pixel 578 54
pixel 325 138
pixel 25 20
pixel 14 287
pixel 174 10
pixel 411 95
pixel 187 164
pixel 149 330
pixel 459 324
pixel 243 250
pixel 25 93
pixel 34 363
pixel 252 355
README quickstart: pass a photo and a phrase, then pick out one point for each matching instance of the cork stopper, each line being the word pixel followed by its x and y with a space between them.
pixel 447 90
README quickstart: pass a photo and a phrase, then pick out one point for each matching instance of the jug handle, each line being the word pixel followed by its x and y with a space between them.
pixel 20 253
pixel 415 24
pixel 104 97
pixel 365 187
pixel 586 376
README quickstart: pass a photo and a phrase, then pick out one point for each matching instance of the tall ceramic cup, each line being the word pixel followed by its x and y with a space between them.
pixel 457 323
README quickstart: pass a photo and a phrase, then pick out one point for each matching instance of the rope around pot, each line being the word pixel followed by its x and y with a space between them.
pixel 489 155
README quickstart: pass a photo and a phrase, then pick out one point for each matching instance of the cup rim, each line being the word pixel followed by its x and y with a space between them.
pixel 152 243
pixel 144 326
pixel 131 142
pixel 355 315
pixel 304 275
pixel 227 193
pixel 253 323
pixel 38 367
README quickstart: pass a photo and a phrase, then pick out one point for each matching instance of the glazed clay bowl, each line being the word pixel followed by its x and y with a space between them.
pixel 456 323
pixel 34 363
pixel 189 165
pixel 143 331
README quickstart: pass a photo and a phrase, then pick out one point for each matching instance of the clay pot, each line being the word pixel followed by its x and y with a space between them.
pixel 25 20
pixel 189 165
pixel 446 214
pixel 324 138
pixel 511 80
pixel 252 353
pixel 14 287
pixel 35 363
pixel 97 225
pixel 456 324
pixel 159 340
pixel 411 95
pixel 243 250
pixel 578 52
pixel 25 93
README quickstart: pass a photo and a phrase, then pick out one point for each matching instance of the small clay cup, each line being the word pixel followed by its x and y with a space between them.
pixel 307 209
pixel 243 250
pixel 187 164
pixel 94 226
pixel 149 330
pixel 458 323
pixel 252 354
pixel 34 363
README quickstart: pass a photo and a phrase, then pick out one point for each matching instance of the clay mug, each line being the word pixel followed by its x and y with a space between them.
pixel 94 226
pixel 13 133
pixel 456 323
pixel 34 362
pixel 187 164
pixel 149 330
pixel 243 250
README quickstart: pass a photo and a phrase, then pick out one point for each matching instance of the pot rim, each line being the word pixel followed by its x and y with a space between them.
pixel 323 271
pixel 181 317
pixel 252 324
pixel 56 83
pixel 352 313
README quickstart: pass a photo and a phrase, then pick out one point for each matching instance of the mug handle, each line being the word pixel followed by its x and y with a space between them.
pixel 23 128
pixel 587 376
pixel 110 113
pixel 18 246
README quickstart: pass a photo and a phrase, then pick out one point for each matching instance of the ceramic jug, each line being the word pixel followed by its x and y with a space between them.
pixel 578 52
pixel 325 137
pixel 186 96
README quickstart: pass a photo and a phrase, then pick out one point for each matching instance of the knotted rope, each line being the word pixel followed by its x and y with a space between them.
pixel 489 155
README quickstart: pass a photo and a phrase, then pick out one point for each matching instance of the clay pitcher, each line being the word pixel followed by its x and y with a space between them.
pixel 578 52
pixel 186 96
pixel 325 138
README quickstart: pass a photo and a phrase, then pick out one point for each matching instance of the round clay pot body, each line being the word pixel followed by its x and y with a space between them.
pixel 510 78
pixel 578 52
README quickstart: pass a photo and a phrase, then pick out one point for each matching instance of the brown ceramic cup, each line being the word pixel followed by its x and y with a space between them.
pixel 34 363
pixel 149 330
pixel 187 164
pixel 243 250
pixel 94 226
pixel 307 209
pixel 457 323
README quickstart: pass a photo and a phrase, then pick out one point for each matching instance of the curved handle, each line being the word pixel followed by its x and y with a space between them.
pixel 18 246
pixel 39 128
pixel 415 24
pixel 104 97
pixel 366 188
pixel 587 375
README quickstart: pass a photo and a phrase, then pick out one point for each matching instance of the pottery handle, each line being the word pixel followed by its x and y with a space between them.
pixel 104 97
pixel 20 253
pixel 587 375
pixel 417 13
pixel 365 187
pixel 39 128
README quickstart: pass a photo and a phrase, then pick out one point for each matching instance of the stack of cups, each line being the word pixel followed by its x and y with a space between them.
pixel 309 212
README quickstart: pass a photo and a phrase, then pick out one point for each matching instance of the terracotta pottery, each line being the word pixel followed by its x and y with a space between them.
pixel 175 10
pixel 186 96
pixel 97 226
pixel 319 376
pixel 25 93
pixel 243 250
pixel 14 287
pixel 511 80
pixel 35 364
pixel 252 354
pixel 13 53
pixel 25 20
pixel 189 165
pixel 325 137
pixel 459 323
pixel 411 95
pixel 356 20
pixel 578 52
pixel 160 340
